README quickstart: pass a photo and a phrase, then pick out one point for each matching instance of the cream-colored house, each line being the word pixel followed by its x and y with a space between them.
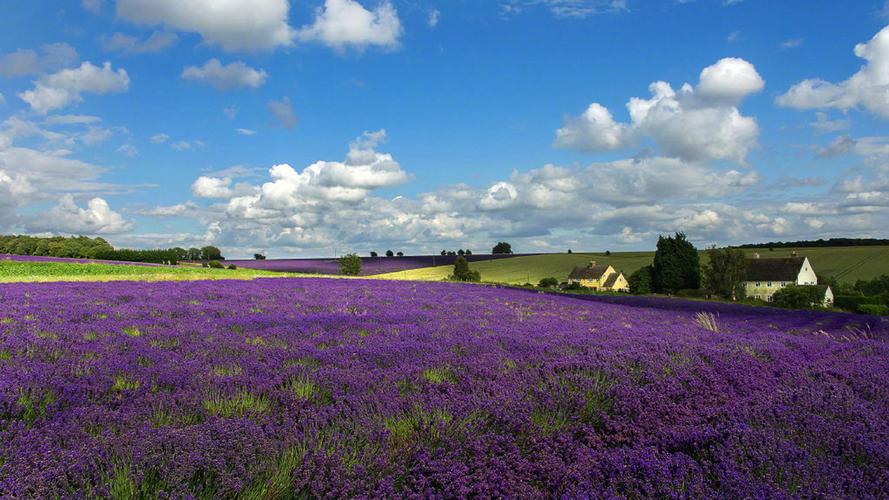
pixel 604 278
pixel 767 276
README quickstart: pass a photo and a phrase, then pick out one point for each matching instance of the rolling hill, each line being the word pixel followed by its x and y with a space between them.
pixel 845 263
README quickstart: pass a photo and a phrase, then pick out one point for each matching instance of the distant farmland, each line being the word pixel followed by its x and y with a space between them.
pixel 845 263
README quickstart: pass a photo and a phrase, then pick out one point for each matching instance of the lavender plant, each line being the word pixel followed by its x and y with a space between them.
pixel 277 388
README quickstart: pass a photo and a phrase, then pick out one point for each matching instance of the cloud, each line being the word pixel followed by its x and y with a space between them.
pixel 177 210
pixel 2 100
pixel 26 62
pixel 245 131
pixel 158 41
pixel 433 18
pixel 865 89
pixel 66 86
pixel 343 24
pixel 94 6
pixel 212 187
pixel 128 150
pixel 577 9
pixel 159 138
pixel 226 77
pixel 839 146
pixel 187 145
pixel 792 43
pixel 66 217
pixel 696 123
pixel 282 111
pixel 823 125
pixel 71 120
pixel 233 26
pixel 231 112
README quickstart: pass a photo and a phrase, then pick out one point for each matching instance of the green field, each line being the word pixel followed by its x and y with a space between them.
pixel 845 263
pixel 16 271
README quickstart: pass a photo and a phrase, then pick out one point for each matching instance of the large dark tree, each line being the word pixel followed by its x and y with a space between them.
pixel 462 271
pixel 211 253
pixel 725 273
pixel 502 247
pixel 641 281
pixel 676 265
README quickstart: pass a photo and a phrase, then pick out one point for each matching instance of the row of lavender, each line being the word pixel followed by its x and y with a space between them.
pixel 66 260
pixel 278 388
pixel 369 265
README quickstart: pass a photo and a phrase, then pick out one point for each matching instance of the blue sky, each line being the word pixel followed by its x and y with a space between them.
pixel 294 128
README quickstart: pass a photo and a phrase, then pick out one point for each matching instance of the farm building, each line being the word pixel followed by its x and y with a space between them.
pixel 767 276
pixel 599 277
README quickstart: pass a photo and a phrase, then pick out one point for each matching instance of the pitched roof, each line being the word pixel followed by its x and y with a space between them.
pixel 588 273
pixel 612 278
pixel 784 269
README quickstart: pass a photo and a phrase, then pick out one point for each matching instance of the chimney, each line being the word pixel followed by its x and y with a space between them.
pixel 592 263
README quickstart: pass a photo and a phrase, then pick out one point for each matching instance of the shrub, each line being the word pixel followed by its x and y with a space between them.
pixel 232 267
pixel 259 256
pixel 373 254
pixel 350 265
pixel 798 297
pixel 608 253
pixel 875 309
pixel 462 271
pixel 548 283
pixel 572 286
pixel 215 264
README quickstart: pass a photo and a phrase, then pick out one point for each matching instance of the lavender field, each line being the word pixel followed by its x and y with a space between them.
pixel 276 388
pixel 369 265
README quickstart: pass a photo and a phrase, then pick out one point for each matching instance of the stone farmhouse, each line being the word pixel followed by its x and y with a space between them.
pixel 599 277
pixel 767 276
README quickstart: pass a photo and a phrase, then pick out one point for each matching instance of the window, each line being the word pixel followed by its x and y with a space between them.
pixel 769 283
pixel 758 283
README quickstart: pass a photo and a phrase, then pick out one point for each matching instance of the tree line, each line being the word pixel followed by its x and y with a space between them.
pixel 832 242
pixel 83 247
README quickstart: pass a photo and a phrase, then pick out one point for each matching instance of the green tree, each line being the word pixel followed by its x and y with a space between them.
pixel 462 271
pixel 400 254
pixel 641 281
pixel 676 265
pixel 374 254
pixel 725 274
pixel 390 253
pixel 259 256
pixel 548 283
pixel 502 247
pixel 350 265
pixel 211 253
pixel 468 252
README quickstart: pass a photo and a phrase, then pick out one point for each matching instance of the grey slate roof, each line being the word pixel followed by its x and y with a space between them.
pixel 587 273
pixel 783 269
pixel 611 280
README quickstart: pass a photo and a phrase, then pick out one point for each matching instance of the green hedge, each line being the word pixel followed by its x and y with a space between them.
pixel 875 309
pixel 854 302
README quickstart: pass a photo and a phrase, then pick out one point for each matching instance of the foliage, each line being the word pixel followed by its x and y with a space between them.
pixel 400 254
pixel 56 246
pixel 468 252
pixel 832 242
pixel 374 254
pixel 215 264
pixel 548 283
pixel 875 309
pixel 390 253
pixel 232 267
pixel 799 297
pixel 350 265
pixel 573 286
pixel 676 265
pixel 258 256
pixel 641 281
pixel 502 247
pixel 725 272
pixel 462 271
pixel 30 271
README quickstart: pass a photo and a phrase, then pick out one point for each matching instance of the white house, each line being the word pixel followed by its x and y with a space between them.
pixel 767 276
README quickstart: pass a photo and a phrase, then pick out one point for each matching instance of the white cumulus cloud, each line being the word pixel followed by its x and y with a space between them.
pixel 232 25
pixel 226 77
pixel 67 217
pixel 66 86
pixel 342 24
pixel 693 124
pixel 868 88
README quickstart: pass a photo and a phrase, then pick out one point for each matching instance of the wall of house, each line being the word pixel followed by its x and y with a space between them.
pixel 807 275
pixel 621 284
pixel 764 290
